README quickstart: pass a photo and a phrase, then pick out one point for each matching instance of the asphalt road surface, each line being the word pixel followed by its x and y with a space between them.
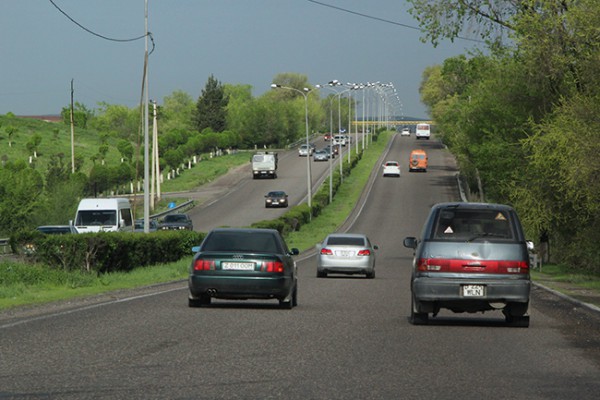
pixel 349 337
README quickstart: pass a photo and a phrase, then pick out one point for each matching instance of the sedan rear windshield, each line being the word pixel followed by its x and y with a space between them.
pixel 345 241
pixel 472 223
pixel 244 242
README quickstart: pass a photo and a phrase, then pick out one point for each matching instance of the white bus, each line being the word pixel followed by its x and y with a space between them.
pixel 103 215
pixel 423 131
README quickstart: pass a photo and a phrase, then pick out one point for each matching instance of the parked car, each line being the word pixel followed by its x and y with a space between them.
pixel 241 264
pixel 176 222
pixel 320 155
pixel 139 225
pixel 391 168
pixel 471 257
pixel 276 198
pixel 418 161
pixel 346 253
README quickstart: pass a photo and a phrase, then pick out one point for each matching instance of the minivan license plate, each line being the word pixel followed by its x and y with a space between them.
pixel 473 290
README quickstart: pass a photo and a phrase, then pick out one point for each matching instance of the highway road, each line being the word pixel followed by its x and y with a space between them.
pixel 349 337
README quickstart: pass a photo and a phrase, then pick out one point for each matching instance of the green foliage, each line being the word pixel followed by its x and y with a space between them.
pixel 524 120
pixel 105 252
pixel 211 107
pixel 21 189
pixel 81 115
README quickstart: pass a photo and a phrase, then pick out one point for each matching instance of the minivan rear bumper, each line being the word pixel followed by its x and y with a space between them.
pixel 451 289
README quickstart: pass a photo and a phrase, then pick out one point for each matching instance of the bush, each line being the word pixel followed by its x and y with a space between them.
pixel 107 251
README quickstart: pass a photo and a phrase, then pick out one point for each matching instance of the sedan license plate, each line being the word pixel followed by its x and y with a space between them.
pixel 473 290
pixel 238 266
pixel 343 253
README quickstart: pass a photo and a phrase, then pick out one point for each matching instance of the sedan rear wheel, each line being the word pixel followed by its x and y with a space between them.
pixel 321 274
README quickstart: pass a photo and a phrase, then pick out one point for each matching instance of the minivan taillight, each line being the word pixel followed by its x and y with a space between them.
pixel 483 266
pixel 204 265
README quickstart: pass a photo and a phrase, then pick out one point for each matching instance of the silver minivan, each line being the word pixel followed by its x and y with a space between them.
pixel 470 257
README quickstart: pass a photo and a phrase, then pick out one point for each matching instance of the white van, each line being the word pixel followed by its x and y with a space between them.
pixel 423 131
pixel 339 140
pixel 103 215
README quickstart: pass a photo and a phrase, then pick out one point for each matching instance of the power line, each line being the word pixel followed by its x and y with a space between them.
pixel 102 36
pixel 387 21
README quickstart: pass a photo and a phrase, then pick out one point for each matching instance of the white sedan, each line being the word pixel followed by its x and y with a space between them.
pixel 391 168
pixel 405 132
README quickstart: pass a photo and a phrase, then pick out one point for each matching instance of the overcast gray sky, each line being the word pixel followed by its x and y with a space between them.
pixel 238 41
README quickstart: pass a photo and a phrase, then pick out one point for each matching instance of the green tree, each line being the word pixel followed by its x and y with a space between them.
pixel 211 107
pixel 21 189
pixel 176 112
pixel 81 115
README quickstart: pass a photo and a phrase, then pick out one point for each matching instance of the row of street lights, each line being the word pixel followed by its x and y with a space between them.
pixel 382 112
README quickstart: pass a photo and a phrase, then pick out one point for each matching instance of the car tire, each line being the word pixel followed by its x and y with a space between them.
pixel 286 304
pixel 371 275
pixel 193 303
pixel 295 296
pixel 518 322
pixel 417 318
pixel 321 274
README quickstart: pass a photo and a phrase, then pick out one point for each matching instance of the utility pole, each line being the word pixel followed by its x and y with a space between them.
pixel 146 141
pixel 152 182
pixel 72 133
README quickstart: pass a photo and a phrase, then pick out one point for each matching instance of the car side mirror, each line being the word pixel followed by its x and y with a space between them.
pixel 294 251
pixel 410 242
pixel 375 247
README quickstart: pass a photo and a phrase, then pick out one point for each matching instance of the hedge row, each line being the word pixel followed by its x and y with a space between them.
pixel 106 251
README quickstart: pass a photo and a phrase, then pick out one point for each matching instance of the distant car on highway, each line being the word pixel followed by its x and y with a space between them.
pixel 346 253
pixel 276 198
pixel 391 168
pixel 176 222
pixel 305 150
pixel 139 225
pixel 321 155
pixel 405 132
pixel 241 264
pixel 470 257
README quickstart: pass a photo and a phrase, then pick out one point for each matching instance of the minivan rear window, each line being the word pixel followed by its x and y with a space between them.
pixel 463 224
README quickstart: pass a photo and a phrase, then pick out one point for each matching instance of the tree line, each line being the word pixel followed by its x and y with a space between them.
pixel 223 117
pixel 522 114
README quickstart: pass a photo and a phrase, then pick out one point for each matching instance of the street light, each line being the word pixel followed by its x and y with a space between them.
pixel 330 146
pixel 304 93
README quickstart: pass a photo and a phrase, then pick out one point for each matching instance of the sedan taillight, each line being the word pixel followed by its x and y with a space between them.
pixel 327 252
pixel 204 265
pixel 364 252
pixel 272 266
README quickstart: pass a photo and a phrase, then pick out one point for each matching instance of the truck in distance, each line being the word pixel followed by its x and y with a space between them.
pixel 264 165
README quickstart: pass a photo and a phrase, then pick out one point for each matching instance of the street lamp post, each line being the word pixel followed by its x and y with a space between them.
pixel 304 93
pixel 330 146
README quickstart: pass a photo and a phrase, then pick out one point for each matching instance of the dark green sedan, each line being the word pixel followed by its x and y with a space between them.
pixel 242 264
